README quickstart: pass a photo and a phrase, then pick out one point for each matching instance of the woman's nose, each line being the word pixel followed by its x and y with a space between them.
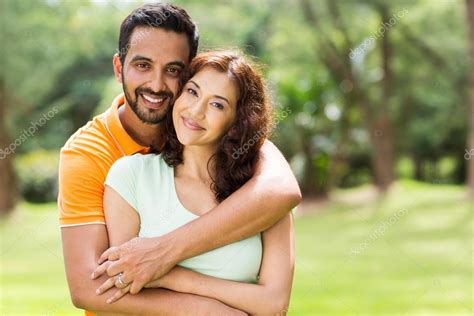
pixel 198 110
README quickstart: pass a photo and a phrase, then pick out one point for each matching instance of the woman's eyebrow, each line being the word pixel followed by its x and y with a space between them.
pixel 197 86
pixel 221 97
pixel 217 96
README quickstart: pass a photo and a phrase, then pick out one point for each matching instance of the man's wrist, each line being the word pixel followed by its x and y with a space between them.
pixel 176 245
pixel 173 246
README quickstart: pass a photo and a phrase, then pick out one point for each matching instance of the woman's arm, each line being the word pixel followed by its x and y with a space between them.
pixel 123 222
pixel 272 293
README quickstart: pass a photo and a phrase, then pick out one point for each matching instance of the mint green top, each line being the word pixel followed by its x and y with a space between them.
pixel 146 182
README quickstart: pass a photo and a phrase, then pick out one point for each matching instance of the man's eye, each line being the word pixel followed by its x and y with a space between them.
pixel 217 105
pixel 192 91
pixel 174 71
pixel 143 66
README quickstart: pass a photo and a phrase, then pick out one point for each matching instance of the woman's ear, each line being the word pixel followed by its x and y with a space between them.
pixel 117 68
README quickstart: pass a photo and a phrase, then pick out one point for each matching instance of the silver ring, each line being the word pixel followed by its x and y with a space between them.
pixel 119 279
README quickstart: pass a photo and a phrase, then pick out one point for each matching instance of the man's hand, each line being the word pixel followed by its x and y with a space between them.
pixel 140 260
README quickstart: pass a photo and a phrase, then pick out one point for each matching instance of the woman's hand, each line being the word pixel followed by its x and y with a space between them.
pixel 111 283
pixel 174 280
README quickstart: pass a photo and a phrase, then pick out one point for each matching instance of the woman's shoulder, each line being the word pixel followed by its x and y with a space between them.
pixel 146 163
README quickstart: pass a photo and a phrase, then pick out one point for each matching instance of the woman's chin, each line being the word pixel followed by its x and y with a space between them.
pixel 186 141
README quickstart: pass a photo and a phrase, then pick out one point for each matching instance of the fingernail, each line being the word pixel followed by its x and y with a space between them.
pixel 109 301
pixel 92 275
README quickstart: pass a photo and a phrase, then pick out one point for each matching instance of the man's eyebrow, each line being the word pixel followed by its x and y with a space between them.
pixel 139 57
pixel 177 63
pixel 217 96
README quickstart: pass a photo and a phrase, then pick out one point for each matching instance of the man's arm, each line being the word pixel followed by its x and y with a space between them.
pixel 269 296
pixel 257 205
pixel 270 194
pixel 82 246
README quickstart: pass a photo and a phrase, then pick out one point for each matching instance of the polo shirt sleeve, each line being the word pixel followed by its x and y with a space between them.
pixel 81 189
pixel 122 178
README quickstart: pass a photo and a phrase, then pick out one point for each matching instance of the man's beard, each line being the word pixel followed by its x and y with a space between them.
pixel 148 116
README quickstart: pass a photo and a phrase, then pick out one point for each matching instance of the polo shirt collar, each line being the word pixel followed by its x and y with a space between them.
pixel 118 133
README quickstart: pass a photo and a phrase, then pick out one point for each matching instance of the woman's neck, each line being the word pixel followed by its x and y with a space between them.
pixel 195 163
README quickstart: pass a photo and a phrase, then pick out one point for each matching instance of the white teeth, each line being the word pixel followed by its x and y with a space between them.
pixel 149 99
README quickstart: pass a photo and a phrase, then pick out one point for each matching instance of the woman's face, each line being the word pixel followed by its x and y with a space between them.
pixel 206 108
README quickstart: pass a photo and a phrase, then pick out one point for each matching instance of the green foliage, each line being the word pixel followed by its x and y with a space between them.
pixel 59 53
pixel 38 175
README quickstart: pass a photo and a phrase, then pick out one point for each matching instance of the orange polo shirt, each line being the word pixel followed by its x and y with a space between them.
pixel 84 163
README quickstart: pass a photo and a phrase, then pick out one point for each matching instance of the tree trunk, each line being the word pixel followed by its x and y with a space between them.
pixel 382 136
pixel 310 185
pixel 470 137
pixel 376 117
pixel 8 192
pixel 418 163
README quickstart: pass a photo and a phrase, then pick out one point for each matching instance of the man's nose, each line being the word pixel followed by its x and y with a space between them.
pixel 158 83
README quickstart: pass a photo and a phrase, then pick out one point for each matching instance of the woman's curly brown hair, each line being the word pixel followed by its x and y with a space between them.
pixel 238 151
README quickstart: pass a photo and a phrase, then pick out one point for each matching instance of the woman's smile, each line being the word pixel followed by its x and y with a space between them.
pixel 192 125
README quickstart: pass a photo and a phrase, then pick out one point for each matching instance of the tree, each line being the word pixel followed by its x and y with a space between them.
pixel 8 192
pixel 337 57
pixel 470 138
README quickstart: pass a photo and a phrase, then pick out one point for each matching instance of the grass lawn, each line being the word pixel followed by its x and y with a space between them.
pixel 408 254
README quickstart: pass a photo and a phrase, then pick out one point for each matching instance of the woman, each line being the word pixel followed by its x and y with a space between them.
pixel 223 110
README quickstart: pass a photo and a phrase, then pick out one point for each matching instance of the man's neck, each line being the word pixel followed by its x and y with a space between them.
pixel 143 134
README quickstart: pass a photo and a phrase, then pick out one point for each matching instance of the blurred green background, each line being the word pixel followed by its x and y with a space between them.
pixel 375 107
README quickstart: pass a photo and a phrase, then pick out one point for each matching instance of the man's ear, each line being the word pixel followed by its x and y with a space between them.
pixel 117 68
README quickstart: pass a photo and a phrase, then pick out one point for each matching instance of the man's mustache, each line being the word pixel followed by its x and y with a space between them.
pixel 159 94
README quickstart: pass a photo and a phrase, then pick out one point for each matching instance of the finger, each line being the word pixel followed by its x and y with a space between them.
pixel 136 286
pixel 121 285
pixel 115 267
pixel 101 269
pixel 105 255
pixel 119 294
pixel 110 254
pixel 105 286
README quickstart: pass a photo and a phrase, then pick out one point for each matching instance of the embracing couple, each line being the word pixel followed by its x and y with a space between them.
pixel 157 216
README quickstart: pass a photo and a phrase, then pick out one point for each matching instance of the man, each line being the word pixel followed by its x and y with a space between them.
pixel 156 44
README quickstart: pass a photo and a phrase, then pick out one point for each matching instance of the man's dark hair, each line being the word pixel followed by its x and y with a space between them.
pixel 160 15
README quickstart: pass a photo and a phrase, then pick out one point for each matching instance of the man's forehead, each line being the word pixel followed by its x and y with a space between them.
pixel 158 45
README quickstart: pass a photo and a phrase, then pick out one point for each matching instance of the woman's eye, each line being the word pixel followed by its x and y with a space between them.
pixel 192 91
pixel 217 105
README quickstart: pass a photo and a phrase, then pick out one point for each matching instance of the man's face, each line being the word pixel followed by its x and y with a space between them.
pixel 152 71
